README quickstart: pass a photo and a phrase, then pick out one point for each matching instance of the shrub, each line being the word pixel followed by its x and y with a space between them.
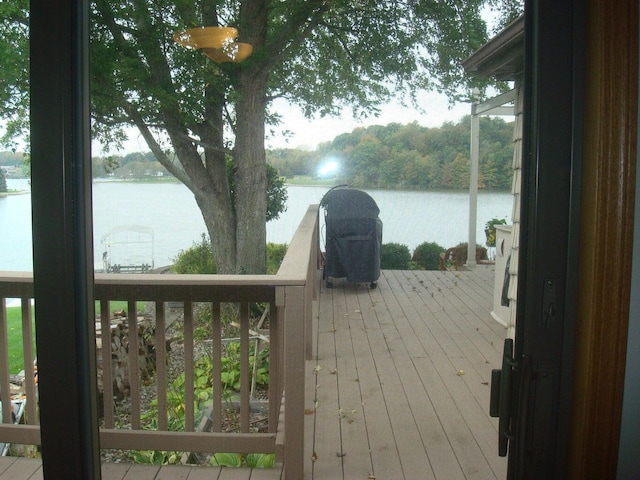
pixel 275 255
pixel 460 255
pixel 427 255
pixel 394 256
pixel 197 259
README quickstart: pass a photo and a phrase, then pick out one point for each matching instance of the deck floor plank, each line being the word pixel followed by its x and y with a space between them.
pixel 23 469
pixel 354 451
pixel 115 471
pixel 476 359
pixel 5 463
pixel 326 437
pixel 142 472
pixel 406 348
pixel 178 472
pixel 383 335
pixel 363 410
pixel 468 389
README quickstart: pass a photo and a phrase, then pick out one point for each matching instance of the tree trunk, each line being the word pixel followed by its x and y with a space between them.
pixel 250 175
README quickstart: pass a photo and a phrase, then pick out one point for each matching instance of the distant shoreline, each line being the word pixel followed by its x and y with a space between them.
pixel 297 181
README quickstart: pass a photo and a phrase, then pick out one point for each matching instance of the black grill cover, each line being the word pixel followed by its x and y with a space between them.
pixel 353 235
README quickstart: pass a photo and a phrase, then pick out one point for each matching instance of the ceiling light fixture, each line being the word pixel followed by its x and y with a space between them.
pixel 217 43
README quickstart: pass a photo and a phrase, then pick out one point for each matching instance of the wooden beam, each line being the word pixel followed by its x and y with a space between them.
pixel 610 139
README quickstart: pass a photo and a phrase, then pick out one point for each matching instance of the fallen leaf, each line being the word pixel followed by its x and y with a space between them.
pixel 341 454
pixel 333 371
pixel 317 368
pixel 314 457
pixel 309 411
pixel 460 373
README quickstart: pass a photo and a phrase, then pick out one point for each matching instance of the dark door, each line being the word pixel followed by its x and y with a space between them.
pixel 534 411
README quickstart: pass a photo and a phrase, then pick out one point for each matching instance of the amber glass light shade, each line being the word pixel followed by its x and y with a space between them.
pixel 217 43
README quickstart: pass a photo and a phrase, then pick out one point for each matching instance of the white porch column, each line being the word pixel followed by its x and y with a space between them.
pixel 473 182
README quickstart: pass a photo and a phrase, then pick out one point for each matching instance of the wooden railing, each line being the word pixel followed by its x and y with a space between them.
pixel 289 294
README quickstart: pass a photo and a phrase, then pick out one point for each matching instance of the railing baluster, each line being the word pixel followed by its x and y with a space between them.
pixel 274 368
pixel 4 363
pixel 134 370
pixel 27 351
pixel 216 346
pixel 161 366
pixel 107 364
pixel 244 367
pixel 188 367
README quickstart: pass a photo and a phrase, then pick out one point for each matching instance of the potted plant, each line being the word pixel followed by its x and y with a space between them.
pixel 490 230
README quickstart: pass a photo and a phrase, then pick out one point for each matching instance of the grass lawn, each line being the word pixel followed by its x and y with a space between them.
pixel 14 335
pixel 310 181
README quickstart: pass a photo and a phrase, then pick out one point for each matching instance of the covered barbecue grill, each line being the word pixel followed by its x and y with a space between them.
pixel 353 236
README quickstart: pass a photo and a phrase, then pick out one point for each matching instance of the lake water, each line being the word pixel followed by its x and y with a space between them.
pixel 170 212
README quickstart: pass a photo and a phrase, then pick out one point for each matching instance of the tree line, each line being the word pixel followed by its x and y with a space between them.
pixel 409 156
pixel 389 156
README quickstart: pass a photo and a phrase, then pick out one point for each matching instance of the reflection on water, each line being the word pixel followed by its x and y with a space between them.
pixel 169 209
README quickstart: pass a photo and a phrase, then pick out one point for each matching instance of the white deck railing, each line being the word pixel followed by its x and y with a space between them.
pixel 289 293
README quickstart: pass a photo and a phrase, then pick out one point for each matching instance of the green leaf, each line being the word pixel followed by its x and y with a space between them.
pixel 260 460
pixel 226 460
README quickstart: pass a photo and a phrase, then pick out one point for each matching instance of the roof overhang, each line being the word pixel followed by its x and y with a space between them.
pixel 502 57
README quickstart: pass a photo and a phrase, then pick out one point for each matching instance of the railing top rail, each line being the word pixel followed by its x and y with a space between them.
pixel 300 251
pixel 16 284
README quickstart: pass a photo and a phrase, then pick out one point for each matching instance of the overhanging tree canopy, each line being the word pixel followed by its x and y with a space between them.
pixel 195 114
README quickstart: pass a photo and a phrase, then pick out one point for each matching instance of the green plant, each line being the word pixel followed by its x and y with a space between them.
pixel 260 460
pixel 203 397
pixel 153 457
pixel 490 230
pixel 427 255
pixel 460 254
pixel 196 259
pixel 235 460
pixel 275 255
pixel 394 256
pixel 230 375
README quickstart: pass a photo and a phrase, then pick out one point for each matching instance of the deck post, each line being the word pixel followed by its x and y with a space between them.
pixel 294 382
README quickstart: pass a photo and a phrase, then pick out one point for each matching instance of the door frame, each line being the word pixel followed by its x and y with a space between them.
pixel 608 185
pixel 579 158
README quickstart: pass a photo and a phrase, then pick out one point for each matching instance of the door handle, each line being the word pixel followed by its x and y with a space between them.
pixel 500 401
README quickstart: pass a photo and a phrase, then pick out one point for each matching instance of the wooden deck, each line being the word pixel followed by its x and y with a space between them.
pixel 399 388
pixel 402 383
